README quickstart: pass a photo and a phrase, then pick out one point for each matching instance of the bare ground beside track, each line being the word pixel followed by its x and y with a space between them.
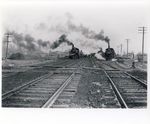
pixel 94 91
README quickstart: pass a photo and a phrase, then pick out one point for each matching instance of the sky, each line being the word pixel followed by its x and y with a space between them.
pixel 47 21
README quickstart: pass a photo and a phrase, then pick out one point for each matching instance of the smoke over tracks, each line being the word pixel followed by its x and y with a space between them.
pixel 78 35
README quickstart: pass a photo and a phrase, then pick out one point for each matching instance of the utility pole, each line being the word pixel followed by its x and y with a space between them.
pixel 118 50
pixel 127 45
pixel 142 30
pixel 7 43
pixel 121 49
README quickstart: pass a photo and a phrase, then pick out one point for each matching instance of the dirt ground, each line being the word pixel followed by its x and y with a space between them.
pixel 140 70
pixel 20 63
pixel 94 91
pixel 139 65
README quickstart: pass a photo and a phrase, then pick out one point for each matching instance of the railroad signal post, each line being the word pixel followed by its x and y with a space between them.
pixel 142 30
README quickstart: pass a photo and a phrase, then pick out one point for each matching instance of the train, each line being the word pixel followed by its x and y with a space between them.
pixel 74 53
pixel 109 53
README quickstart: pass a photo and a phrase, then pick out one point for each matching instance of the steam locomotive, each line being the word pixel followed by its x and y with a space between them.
pixel 74 53
pixel 109 53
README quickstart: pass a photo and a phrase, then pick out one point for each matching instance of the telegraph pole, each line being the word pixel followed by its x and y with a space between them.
pixel 118 50
pixel 127 45
pixel 7 43
pixel 142 30
pixel 121 49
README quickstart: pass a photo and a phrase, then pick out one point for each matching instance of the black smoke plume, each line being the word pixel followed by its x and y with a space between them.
pixel 87 32
pixel 70 27
pixel 30 42
pixel 62 39
pixel 43 43
pixel 27 42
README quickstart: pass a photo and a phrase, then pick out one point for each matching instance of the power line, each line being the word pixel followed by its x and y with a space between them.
pixel 7 43
pixel 121 49
pixel 127 46
pixel 142 30
pixel 117 49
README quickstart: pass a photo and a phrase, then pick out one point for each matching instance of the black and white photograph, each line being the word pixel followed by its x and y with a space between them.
pixel 80 55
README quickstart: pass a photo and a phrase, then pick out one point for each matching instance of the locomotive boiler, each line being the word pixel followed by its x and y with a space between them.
pixel 109 53
pixel 74 53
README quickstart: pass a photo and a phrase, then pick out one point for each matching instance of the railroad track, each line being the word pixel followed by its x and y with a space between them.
pixel 115 88
pixel 130 91
pixel 54 88
pixel 37 92
pixel 101 64
pixel 14 79
pixel 101 93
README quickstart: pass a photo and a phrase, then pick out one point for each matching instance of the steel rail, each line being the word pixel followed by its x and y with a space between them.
pixel 15 90
pixel 93 62
pixel 119 96
pixel 54 97
pixel 140 81
pixel 110 65
pixel 75 63
pixel 91 68
pixel 144 83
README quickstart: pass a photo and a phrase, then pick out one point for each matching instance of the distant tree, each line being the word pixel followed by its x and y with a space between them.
pixel 16 56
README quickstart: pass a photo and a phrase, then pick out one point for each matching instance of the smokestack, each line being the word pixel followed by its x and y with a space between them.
pixel 72 46
pixel 108 44
pixel 107 40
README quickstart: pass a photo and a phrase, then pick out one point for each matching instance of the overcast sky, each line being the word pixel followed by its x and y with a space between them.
pixel 118 20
